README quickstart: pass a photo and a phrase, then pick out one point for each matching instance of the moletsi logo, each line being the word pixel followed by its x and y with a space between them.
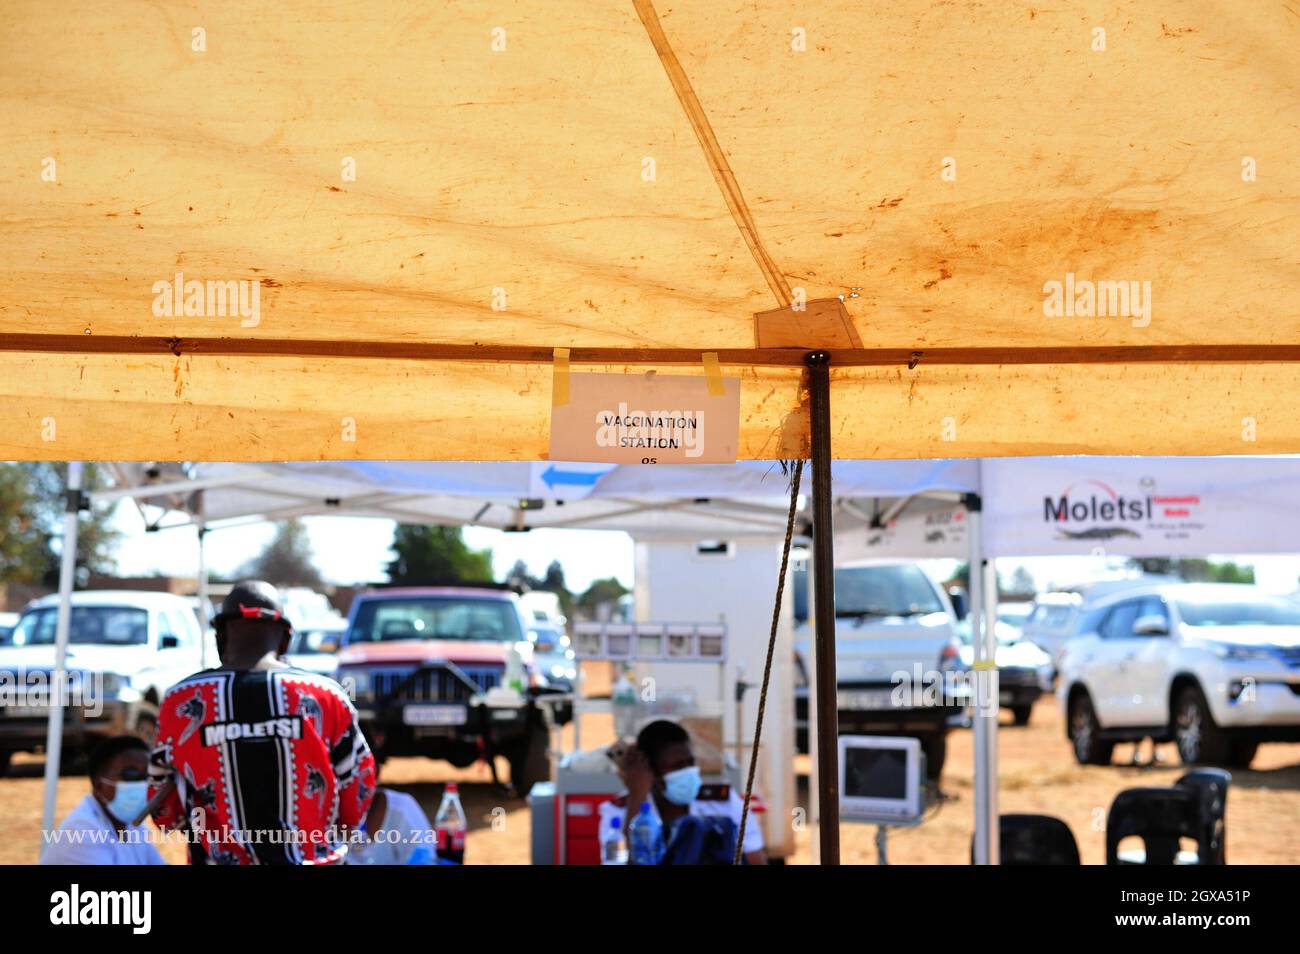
pixel 75 907
pixel 1109 510
pixel 285 727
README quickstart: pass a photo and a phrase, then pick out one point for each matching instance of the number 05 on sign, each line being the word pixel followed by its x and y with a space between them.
pixel 647 419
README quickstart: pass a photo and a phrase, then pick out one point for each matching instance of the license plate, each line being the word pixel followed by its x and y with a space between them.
pixel 871 699
pixel 434 715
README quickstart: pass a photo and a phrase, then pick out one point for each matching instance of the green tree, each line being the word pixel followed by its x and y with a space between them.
pixel 32 499
pixel 520 577
pixel 1022 582
pixel 287 559
pixel 554 579
pixel 608 591
pixel 1196 570
pixel 554 582
pixel 436 555
pixel 24 549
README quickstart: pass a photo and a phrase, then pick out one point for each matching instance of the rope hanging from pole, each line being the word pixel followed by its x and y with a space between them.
pixel 771 647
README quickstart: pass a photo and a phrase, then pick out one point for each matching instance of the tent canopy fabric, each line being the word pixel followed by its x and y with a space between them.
pixel 1072 506
pixel 745 499
pixel 635 181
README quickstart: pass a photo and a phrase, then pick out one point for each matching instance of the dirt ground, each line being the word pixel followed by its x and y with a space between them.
pixel 1038 774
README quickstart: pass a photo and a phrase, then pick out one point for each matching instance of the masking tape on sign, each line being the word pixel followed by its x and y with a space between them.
pixel 713 373
pixel 560 378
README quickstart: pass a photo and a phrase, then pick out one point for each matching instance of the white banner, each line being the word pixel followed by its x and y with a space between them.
pixel 925 530
pixel 1133 506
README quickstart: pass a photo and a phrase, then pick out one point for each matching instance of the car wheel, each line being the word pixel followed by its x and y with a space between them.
pixel 462 759
pixel 530 760
pixel 936 752
pixel 1200 741
pixel 1241 752
pixel 1085 734
pixel 4 763
pixel 1021 714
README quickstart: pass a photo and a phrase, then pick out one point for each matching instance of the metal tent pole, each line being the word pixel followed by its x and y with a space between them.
pixel 827 698
pixel 984 672
pixel 989 765
pixel 59 678
pixel 202 588
pixel 814 803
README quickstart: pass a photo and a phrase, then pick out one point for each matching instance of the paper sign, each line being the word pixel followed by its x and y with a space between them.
pixel 646 419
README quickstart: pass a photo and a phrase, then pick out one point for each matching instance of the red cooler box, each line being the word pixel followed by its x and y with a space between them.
pixel 566 817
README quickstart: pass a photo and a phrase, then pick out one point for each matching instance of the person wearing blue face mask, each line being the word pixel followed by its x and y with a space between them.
pixel 661 769
pixel 99 830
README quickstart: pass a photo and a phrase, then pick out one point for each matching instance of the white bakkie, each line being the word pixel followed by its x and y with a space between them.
pixel 126 648
pixel 892 624
pixel 1214 667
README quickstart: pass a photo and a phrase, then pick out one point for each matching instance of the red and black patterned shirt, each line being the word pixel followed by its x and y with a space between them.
pixel 270 765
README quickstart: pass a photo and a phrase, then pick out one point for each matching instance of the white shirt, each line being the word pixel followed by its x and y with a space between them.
pixel 88 837
pixel 731 808
pixel 405 828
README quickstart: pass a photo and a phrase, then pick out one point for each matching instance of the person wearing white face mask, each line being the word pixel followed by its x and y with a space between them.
pixel 661 769
pixel 99 830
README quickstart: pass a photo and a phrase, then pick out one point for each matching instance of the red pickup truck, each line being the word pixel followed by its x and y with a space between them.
pixel 447 673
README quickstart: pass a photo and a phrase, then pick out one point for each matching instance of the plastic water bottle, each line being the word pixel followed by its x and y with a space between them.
pixel 612 851
pixel 645 837
pixel 449 825
pixel 623 703
pixel 515 677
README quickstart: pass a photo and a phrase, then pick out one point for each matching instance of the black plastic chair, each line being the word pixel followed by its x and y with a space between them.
pixel 1160 817
pixel 1211 788
pixel 1034 840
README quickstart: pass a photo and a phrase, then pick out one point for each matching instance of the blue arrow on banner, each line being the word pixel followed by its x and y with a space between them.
pixel 578 478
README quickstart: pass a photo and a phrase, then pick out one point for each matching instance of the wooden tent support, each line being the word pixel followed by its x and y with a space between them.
pixel 527 354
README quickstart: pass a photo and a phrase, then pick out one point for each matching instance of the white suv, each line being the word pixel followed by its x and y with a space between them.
pixel 125 650
pixel 1214 667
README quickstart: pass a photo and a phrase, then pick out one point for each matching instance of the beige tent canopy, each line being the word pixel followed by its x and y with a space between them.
pixel 428 198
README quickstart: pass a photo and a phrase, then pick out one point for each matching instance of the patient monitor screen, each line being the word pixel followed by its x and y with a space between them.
pixel 875 773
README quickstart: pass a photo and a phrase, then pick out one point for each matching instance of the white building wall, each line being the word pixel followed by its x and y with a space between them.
pixel 676 583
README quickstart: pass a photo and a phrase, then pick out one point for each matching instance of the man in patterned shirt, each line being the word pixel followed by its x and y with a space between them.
pixel 268 763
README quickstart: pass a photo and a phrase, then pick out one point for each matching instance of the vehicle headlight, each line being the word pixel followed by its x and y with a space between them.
pixel 358 680
pixel 93 687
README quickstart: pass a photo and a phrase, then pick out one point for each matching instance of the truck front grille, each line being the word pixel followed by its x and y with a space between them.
pixel 435 684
